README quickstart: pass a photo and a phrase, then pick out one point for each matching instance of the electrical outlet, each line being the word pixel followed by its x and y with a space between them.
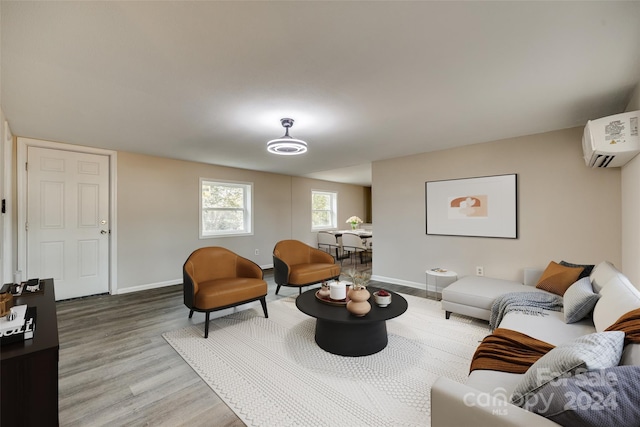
pixel 479 271
pixel 257 251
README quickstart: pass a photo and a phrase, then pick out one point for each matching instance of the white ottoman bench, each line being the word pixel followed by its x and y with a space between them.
pixel 474 295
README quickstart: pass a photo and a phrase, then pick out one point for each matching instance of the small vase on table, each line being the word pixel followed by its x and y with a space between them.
pixel 358 304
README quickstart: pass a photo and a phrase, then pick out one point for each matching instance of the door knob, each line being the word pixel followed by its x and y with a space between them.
pixel 103 231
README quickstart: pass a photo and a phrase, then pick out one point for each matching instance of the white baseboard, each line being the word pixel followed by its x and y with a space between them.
pixel 395 281
pixel 149 286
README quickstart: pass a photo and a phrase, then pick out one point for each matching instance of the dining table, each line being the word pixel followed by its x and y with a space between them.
pixel 365 234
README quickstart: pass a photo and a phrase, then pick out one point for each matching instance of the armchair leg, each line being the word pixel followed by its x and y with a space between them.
pixel 190 314
pixel 206 325
pixel 277 289
pixel 263 301
pixel 300 290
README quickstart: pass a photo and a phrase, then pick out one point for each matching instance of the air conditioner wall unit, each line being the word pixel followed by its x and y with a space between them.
pixel 611 141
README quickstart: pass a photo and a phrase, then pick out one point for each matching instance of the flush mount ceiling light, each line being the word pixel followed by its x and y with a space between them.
pixel 287 145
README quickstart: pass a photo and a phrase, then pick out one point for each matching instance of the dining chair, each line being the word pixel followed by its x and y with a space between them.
pixel 353 244
pixel 329 243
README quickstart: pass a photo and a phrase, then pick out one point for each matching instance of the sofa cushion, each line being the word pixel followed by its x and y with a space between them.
pixel 594 351
pixel 223 292
pixel 631 355
pixel 302 274
pixel 579 300
pixel 601 274
pixel 496 383
pixel 596 398
pixel 557 278
pixel 480 292
pixel 586 268
pixel 617 297
pixel 550 327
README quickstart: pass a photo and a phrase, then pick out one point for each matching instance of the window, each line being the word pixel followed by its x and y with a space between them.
pixel 225 208
pixel 324 208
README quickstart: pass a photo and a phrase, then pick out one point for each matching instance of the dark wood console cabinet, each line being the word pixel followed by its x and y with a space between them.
pixel 29 369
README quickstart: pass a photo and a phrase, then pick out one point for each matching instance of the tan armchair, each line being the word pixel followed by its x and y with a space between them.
pixel 216 278
pixel 297 264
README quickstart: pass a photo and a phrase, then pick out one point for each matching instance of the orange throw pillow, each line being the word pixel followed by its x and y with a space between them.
pixel 557 278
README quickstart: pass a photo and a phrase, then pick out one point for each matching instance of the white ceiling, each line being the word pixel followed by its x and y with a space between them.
pixel 364 81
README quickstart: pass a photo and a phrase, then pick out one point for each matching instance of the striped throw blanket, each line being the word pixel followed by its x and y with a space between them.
pixel 527 302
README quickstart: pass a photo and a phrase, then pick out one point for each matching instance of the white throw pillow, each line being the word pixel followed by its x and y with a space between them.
pixel 601 274
pixel 618 297
pixel 599 350
pixel 579 300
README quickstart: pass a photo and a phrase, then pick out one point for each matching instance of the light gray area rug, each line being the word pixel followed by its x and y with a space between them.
pixel 271 372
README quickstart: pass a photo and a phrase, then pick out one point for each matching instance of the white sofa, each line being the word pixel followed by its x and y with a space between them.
pixel 473 295
pixel 484 399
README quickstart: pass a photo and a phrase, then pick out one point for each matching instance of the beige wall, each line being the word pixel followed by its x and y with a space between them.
pixel 350 202
pixel 157 215
pixel 566 210
pixel 631 209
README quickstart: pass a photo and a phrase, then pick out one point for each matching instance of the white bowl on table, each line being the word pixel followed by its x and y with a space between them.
pixel 382 300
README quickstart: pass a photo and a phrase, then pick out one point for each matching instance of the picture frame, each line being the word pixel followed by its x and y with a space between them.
pixel 473 207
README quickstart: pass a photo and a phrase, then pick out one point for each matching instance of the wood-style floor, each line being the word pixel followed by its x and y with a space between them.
pixel 116 369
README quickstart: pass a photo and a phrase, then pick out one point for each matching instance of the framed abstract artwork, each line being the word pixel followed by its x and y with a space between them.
pixel 477 207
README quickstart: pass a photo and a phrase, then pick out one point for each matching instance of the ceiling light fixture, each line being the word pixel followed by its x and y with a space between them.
pixel 287 145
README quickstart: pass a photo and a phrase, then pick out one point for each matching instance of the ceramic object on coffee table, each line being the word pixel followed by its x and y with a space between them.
pixel 382 300
pixel 358 304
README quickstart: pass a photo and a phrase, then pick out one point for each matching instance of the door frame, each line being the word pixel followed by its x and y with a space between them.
pixel 7 256
pixel 23 145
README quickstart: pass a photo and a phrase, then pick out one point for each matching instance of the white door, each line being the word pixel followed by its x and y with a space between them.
pixel 68 220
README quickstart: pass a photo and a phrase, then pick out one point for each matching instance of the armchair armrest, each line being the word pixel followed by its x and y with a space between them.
pixel 281 271
pixel 454 404
pixel 190 288
pixel 248 268
pixel 320 256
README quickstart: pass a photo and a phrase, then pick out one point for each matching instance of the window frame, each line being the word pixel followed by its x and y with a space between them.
pixel 247 209
pixel 333 211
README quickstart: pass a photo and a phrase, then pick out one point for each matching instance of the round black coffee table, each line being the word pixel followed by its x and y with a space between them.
pixel 340 332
